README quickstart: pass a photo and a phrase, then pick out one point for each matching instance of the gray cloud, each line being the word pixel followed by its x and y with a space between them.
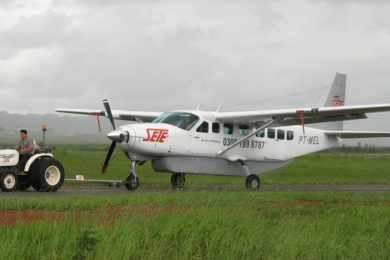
pixel 365 2
pixel 37 31
pixel 155 55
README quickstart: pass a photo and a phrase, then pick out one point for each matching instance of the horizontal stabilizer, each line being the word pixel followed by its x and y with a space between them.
pixel 357 134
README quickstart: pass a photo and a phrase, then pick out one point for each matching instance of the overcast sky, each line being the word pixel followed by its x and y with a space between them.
pixel 163 55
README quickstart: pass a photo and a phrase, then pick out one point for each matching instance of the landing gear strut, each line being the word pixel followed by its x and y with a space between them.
pixel 132 181
pixel 252 181
pixel 178 180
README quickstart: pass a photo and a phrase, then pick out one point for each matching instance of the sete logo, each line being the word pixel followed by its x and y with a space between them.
pixel 156 135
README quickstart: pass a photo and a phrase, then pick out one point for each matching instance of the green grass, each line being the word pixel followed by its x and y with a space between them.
pixel 203 225
pixel 323 168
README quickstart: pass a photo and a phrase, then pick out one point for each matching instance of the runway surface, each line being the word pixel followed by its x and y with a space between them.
pixel 104 190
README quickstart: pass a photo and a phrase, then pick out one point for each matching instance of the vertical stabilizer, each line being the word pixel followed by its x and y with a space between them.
pixel 336 98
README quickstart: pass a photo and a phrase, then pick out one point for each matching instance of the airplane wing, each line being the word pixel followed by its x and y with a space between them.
pixel 118 114
pixel 297 116
pixel 357 134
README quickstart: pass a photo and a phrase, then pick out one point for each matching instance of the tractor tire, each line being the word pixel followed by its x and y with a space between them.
pixel 47 174
pixel 8 181
pixel 24 183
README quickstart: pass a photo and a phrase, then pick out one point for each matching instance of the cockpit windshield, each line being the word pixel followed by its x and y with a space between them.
pixel 182 120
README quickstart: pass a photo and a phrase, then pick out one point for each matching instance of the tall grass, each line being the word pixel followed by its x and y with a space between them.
pixel 207 225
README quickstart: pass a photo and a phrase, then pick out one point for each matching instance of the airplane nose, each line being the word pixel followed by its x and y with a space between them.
pixel 117 136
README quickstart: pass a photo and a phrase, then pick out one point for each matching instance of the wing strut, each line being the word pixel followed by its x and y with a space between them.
pixel 267 124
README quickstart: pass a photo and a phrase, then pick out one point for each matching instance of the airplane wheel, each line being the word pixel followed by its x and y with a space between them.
pixel 178 180
pixel 132 182
pixel 252 182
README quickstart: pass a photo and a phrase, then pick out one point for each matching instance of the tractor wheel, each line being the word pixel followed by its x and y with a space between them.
pixel 8 182
pixel 47 174
pixel 24 183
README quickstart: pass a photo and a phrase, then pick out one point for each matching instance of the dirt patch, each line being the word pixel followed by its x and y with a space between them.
pixel 308 203
pixel 107 215
pixel 298 203
pixel 13 217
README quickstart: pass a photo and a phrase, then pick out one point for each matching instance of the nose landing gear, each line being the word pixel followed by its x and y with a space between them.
pixel 132 181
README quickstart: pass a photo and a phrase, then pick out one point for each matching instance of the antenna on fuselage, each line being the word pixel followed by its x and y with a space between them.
pixel 197 107
pixel 218 108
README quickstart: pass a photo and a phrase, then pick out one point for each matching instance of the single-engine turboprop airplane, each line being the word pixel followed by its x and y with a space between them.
pixel 247 144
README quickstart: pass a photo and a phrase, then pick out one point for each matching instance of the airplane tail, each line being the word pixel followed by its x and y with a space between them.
pixel 336 98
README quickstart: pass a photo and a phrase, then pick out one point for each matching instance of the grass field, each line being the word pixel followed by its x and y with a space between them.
pixel 198 225
pixel 206 224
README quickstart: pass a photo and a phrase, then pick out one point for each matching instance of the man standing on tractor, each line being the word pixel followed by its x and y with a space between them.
pixel 25 147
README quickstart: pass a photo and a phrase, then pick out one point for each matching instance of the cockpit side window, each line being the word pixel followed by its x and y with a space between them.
pixel 203 128
pixel 228 129
pixel 182 120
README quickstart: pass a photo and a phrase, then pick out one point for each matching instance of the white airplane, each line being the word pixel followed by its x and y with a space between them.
pixel 247 144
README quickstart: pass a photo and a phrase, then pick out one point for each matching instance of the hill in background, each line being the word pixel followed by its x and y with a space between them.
pixel 62 129
pixel 66 129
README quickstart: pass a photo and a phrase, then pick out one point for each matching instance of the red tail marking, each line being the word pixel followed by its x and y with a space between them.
pixel 301 114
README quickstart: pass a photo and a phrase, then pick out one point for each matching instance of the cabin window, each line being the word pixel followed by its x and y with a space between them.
pixel 216 128
pixel 203 128
pixel 260 134
pixel 281 134
pixel 228 129
pixel 244 130
pixel 271 133
pixel 290 135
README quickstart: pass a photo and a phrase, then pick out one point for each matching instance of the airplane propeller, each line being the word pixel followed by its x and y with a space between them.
pixel 115 136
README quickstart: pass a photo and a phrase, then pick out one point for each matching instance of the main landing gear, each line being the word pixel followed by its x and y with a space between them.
pixel 252 182
pixel 132 181
pixel 178 180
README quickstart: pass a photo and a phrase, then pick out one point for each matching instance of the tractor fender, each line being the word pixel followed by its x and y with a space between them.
pixel 34 158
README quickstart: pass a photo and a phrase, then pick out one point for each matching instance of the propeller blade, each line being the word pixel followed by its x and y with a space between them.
pixel 108 157
pixel 109 113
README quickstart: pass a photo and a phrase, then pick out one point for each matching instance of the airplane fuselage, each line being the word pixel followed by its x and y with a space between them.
pixel 165 143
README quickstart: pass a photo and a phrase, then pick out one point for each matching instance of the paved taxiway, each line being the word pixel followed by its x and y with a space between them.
pixel 101 190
